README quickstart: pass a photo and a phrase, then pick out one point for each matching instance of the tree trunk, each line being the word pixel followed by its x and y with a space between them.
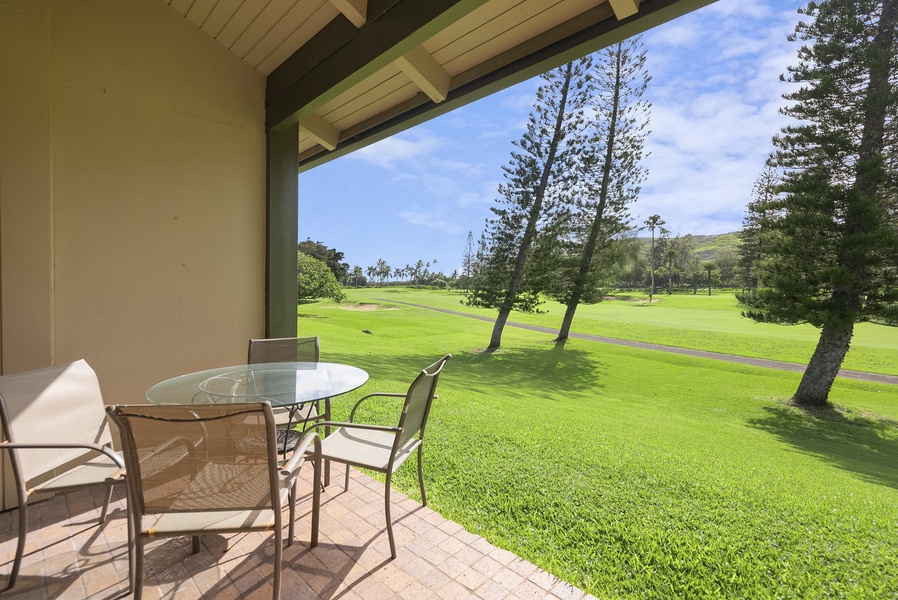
pixel 824 365
pixel 530 232
pixel 591 241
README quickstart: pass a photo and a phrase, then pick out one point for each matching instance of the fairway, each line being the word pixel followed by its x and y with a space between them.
pixel 701 322
pixel 632 473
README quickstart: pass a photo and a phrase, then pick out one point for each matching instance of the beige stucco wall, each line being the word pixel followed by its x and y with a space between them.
pixel 132 193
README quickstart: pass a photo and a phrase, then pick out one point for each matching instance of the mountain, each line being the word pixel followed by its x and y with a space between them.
pixel 707 246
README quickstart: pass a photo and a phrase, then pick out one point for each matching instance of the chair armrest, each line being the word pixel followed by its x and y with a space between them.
pixel 299 453
pixel 375 394
pixel 94 447
pixel 350 425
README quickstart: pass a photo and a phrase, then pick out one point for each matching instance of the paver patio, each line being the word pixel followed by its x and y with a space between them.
pixel 68 556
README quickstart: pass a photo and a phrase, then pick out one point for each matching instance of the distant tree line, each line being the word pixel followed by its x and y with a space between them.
pixel 418 274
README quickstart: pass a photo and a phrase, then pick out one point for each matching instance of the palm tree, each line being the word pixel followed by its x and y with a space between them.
pixel 653 222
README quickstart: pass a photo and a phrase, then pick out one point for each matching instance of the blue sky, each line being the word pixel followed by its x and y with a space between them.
pixel 715 94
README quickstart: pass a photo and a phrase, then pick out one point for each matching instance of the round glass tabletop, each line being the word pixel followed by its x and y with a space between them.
pixel 282 384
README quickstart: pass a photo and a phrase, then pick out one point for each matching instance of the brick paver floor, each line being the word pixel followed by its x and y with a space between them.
pixel 69 556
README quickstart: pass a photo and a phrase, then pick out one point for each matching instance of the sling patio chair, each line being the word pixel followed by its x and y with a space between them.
pixel 63 404
pixel 384 449
pixel 188 475
pixel 294 349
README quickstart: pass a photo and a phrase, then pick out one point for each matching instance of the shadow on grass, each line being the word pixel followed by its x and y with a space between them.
pixel 530 373
pixel 864 445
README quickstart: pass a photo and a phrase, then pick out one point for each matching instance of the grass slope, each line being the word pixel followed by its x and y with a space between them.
pixel 633 473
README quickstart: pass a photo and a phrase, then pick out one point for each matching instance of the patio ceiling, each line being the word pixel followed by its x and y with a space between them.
pixel 351 72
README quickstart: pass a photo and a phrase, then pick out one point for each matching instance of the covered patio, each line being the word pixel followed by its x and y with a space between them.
pixel 70 557
pixel 149 195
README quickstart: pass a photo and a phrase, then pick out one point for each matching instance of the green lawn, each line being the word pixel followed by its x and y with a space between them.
pixel 639 474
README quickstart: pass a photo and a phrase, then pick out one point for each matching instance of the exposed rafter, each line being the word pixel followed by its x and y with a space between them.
pixel 354 10
pixel 624 8
pixel 424 70
pixel 321 131
pixel 300 86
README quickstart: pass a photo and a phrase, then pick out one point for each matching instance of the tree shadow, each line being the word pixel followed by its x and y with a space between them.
pixel 862 444
pixel 528 373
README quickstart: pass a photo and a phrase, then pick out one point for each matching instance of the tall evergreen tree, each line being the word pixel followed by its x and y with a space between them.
pixel 611 171
pixel 763 193
pixel 832 244
pixel 536 182
pixel 467 265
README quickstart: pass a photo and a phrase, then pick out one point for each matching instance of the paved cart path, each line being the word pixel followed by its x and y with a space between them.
pixel 746 360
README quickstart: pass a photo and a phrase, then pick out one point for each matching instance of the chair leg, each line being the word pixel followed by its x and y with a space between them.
pixel 105 510
pixel 196 544
pixel 291 526
pixel 421 478
pixel 138 568
pixel 132 537
pixel 389 519
pixel 346 484
pixel 316 500
pixel 327 432
pixel 278 559
pixel 20 544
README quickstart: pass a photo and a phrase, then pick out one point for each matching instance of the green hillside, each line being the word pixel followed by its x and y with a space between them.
pixel 707 246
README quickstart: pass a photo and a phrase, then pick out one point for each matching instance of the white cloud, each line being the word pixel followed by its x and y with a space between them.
pixel 482 197
pixel 434 221
pixel 399 150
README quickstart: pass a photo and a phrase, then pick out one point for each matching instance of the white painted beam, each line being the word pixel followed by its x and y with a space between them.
pixel 321 131
pixel 624 8
pixel 354 10
pixel 426 73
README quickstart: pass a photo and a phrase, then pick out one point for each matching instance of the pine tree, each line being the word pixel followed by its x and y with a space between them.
pixel 831 247
pixel 611 172
pixel 467 266
pixel 763 193
pixel 536 184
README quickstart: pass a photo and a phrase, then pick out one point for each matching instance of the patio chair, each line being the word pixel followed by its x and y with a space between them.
pixel 179 487
pixel 57 438
pixel 384 449
pixel 297 349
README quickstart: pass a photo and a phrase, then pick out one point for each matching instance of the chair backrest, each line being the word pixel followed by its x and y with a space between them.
pixel 418 400
pixel 60 404
pixel 212 457
pixel 298 349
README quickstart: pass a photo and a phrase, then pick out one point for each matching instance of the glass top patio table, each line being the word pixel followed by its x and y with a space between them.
pixel 282 384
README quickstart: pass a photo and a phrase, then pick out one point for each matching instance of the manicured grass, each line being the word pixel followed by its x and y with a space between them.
pixel 702 322
pixel 638 474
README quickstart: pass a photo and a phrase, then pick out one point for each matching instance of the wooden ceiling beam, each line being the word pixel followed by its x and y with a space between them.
pixel 624 8
pixel 321 131
pixel 303 84
pixel 424 70
pixel 354 10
